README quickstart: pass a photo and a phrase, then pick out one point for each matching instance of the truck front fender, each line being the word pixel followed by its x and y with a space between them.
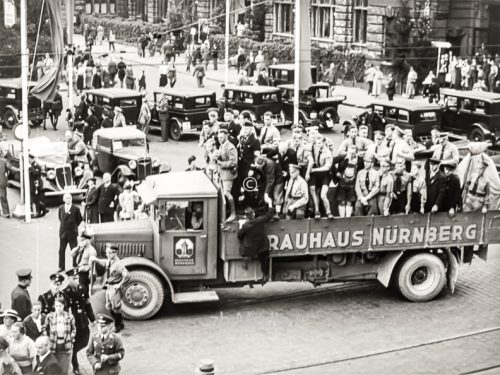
pixel 142 263
pixel 386 266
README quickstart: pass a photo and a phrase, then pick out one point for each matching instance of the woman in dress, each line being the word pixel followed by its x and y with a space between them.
pixel 8 365
pixel 22 348
pixel 377 82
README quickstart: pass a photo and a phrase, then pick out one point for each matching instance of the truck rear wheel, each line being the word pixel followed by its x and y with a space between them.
pixel 143 295
pixel 421 277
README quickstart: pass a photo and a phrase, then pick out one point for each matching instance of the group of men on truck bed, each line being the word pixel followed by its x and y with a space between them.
pixel 307 176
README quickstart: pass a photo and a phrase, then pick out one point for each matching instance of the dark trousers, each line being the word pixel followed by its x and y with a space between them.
pixel 84 280
pixel 40 208
pixel 81 341
pixel 3 201
pixel 106 218
pixel 163 117
pixel 370 87
pixel 215 63
pixel 63 243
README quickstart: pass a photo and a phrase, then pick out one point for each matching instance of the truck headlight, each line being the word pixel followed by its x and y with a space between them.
pixel 51 174
pixel 132 164
pixel 156 162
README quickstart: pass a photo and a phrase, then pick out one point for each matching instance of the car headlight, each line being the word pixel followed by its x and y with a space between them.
pixel 156 162
pixel 329 115
pixel 78 171
pixel 132 164
pixel 51 174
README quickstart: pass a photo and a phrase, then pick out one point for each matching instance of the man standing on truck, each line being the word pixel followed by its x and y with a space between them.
pixel 367 188
pixel 401 193
pixel 453 192
pixel 296 195
pixel 116 276
pixel 253 241
pixel 444 150
pixel 436 187
pixel 228 169
pixel 477 190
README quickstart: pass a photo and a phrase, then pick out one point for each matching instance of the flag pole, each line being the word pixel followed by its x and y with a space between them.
pixel 297 64
pixel 226 67
pixel 25 119
pixel 70 10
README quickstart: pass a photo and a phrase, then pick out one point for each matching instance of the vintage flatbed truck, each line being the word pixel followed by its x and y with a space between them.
pixel 418 254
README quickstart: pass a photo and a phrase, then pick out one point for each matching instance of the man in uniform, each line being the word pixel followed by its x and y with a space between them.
pixel 36 183
pixel 116 276
pixel 233 127
pixel 401 193
pixel 353 139
pixel 70 219
pixel 105 349
pixel 296 194
pixel 444 150
pixel 82 254
pixel 477 190
pixel 453 191
pixel 367 188
pixel 386 188
pixel 20 297
pixel 210 127
pixel 48 298
pixel 436 187
pixel 269 135
pixel 79 305
pixel 228 170
pixel 345 175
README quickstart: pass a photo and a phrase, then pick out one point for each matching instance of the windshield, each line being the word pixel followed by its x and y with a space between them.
pixel 52 148
pixel 118 144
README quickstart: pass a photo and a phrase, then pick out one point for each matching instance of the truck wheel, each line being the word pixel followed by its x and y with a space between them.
pixel 143 295
pixel 9 118
pixel 421 277
pixel 175 130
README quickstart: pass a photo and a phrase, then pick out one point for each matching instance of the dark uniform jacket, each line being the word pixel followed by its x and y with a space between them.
pixel 436 191
pixel 36 182
pixel 69 222
pixel 106 195
pixel 111 346
pixel 91 214
pixel 234 129
pixel 79 305
pixel 252 238
pixel 21 301
pixel 48 300
pixel 49 366
pixel 31 328
pixel 453 192
pixel 246 149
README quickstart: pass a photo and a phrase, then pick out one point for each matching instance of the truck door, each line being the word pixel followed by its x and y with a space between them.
pixel 183 237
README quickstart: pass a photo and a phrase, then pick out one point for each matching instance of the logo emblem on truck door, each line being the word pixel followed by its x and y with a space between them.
pixel 184 251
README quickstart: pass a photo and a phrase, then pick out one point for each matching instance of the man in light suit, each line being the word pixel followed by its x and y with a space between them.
pixel 296 195
pixel 70 219
pixel 228 169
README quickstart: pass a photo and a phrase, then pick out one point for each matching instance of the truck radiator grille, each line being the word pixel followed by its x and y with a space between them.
pixel 125 249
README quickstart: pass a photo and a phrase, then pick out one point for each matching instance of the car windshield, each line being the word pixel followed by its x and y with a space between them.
pixel 47 149
pixel 118 144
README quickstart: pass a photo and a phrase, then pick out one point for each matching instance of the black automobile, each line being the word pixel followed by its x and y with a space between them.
pixel 475 114
pixel 58 175
pixel 187 110
pixel 123 152
pixel 420 117
pixel 11 103
pixel 316 98
pixel 281 74
pixel 254 100
pixel 130 101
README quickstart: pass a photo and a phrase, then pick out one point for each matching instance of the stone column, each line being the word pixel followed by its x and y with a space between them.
pixel 343 23
pixel 375 30
pixel 269 21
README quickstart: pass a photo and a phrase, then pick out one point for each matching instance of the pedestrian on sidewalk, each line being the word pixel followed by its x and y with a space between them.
pixel 172 72
pixel 144 116
pixel 20 297
pixel 97 78
pixel 188 56
pixel 391 87
pixel 70 219
pixel 112 69
pixel 142 82
pixel 199 73
pixel 410 82
pixel 215 53
pixel 163 71
pixel 100 34
pixel 121 71
pixel 111 40
pixel 82 253
pixel 89 73
pixel 106 78
pixel 80 78
pixel 36 184
pixel 163 117
pixel 369 74
pixel 260 62
pixel 205 53
pixel 330 74
pixel 4 204
pixel 377 82
pixel 130 79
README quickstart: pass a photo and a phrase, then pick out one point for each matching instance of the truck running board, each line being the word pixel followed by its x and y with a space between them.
pixel 194 297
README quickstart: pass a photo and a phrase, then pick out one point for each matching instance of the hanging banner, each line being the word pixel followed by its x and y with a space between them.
pixel 9 13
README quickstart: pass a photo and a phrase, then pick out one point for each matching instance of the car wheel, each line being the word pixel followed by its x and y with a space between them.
pixel 143 295
pixel 10 119
pixel 175 130
pixel 421 277
pixel 477 135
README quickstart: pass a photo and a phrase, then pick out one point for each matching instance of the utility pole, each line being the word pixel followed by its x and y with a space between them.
pixel 226 67
pixel 297 64
pixel 70 11
pixel 25 120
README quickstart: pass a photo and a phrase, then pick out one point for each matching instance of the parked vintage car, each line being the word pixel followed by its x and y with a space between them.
pixel 123 152
pixel 420 117
pixel 281 74
pixel 107 99
pixel 254 100
pixel 315 98
pixel 187 110
pixel 11 103
pixel 475 114
pixel 58 176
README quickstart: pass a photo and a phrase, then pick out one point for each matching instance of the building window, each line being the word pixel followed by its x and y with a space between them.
pixel 100 6
pixel 322 18
pixel 162 8
pixel 283 16
pixel 360 16
pixel 138 9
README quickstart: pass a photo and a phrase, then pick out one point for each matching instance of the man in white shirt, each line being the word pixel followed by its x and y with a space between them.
pixel 296 195
pixel 269 134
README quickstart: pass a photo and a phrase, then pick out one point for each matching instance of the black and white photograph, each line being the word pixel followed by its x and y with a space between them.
pixel 249 187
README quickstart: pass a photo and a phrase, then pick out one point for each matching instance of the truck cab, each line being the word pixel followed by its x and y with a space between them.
pixel 183 249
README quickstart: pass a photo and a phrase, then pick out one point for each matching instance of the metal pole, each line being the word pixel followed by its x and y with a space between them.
pixel 226 66
pixel 24 85
pixel 70 10
pixel 438 62
pixel 297 64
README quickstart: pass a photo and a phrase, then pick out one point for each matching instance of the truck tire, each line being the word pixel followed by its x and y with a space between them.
pixel 421 277
pixel 143 295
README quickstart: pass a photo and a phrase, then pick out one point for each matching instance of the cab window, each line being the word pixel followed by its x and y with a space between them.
pixel 466 105
pixel 203 101
pixel 124 103
pixel 379 110
pixel 403 115
pixel 181 215
pixel 104 144
pixel 90 98
pixel 269 98
pixel 322 93
pixel 480 107
pixel 177 103
pixel 451 102
pixel 105 101
pixel 391 113
pixel 230 95
pixel 10 94
pixel 427 116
